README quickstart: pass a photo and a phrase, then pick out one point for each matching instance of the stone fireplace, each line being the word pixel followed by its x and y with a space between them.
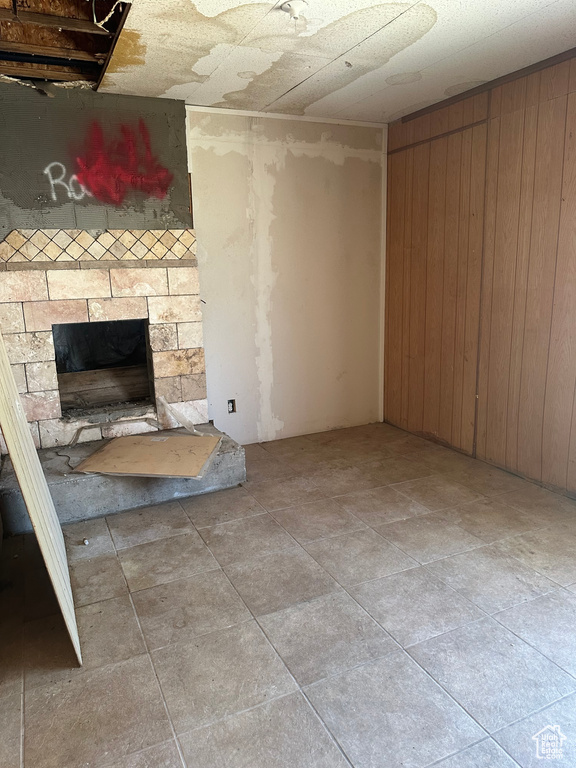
pixel 99 326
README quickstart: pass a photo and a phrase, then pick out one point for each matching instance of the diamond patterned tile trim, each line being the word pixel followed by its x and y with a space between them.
pixel 114 245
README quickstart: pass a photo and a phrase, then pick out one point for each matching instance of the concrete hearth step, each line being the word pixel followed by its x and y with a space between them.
pixel 80 497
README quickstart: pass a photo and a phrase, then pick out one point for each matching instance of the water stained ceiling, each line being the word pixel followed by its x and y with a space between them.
pixel 362 60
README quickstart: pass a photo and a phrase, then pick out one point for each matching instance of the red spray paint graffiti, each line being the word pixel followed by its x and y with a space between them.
pixel 108 171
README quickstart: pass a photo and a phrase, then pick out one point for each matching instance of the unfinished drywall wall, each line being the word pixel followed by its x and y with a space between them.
pixel 76 159
pixel 288 221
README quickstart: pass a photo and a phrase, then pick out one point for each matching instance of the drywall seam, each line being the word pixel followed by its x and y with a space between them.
pixel 384 203
pixel 261 198
pixel 280 116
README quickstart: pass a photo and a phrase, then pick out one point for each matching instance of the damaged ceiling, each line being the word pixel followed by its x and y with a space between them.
pixel 58 40
pixel 360 60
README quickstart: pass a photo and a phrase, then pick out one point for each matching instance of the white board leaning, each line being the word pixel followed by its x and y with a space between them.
pixel 36 494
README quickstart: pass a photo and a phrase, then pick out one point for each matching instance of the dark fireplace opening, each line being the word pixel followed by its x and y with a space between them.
pixel 102 364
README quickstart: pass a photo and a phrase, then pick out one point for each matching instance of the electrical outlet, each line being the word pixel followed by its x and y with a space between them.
pixel 231 406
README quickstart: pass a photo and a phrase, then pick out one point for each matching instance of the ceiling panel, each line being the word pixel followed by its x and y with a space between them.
pixel 344 59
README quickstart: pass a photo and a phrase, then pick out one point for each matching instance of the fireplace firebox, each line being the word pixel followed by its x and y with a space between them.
pixel 102 364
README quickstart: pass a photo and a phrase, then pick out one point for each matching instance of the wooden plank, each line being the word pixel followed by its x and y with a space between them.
pixel 71 54
pixel 513 96
pixel 545 221
pixel 394 287
pixel 49 20
pixel 473 287
pixel 434 286
pixel 522 261
pixel 450 287
pixel 158 455
pixel 461 283
pixel 36 494
pixel 420 185
pixel 112 385
pixel 561 377
pixel 554 81
pixel 37 73
pixel 504 273
pixel 406 310
pixel 487 278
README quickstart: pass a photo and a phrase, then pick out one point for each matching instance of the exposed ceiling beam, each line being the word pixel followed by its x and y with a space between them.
pixel 48 20
pixel 21 70
pixel 70 54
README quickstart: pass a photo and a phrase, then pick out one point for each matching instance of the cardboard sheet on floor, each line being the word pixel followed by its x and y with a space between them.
pixel 36 494
pixel 153 455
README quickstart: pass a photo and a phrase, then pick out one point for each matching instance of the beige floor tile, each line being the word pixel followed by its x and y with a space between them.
pixel 317 520
pixel 281 734
pixel 325 636
pixel 427 538
pixel 358 557
pixel 279 580
pixel 221 507
pixel 488 519
pixel 99 578
pixel 414 606
pixel 390 714
pixel 486 754
pixel 490 578
pixel 494 675
pixel 277 494
pixel 109 633
pixel 550 551
pixel 10 730
pixel 142 525
pixel 543 506
pixel 380 505
pixel 161 756
pixel 518 739
pixel 337 482
pixel 488 480
pixel 548 624
pixel 95 532
pixel 219 674
pixel 245 539
pixel 437 492
pixel 183 609
pixel 100 716
pixel 159 562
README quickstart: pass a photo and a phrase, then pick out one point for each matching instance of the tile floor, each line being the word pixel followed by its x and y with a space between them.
pixel 367 599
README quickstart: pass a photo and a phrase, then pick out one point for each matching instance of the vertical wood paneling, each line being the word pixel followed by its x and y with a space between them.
pixel 461 286
pixel 473 287
pixel 561 373
pixel 415 384
pixel 406 263
pixel 394 287
pixel 503 277
pixel 434 285
pixel 486 293
pixel 540 287
pixel 449 297
pixel 487 281
pixel 521 277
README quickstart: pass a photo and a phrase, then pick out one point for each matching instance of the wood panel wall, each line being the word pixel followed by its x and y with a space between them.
pixel 481 276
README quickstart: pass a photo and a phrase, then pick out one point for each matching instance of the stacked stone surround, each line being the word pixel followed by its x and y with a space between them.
pixel 113 275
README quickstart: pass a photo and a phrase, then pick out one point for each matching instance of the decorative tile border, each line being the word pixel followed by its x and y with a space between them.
pixel 69 245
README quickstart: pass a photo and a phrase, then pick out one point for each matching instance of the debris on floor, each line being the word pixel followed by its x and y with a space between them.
pixel 153 455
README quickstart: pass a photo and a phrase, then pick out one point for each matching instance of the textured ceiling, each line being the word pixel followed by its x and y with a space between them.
pixel 346 59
